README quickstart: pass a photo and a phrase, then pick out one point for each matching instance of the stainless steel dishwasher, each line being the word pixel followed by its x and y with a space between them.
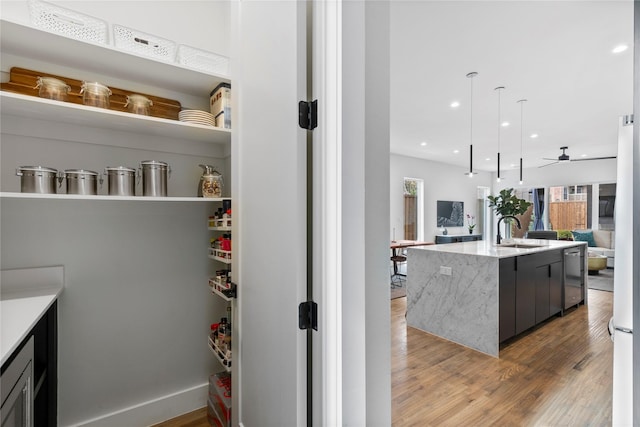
pixel 573 277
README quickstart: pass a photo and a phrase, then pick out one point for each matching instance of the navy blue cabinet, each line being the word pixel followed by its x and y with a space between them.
pixel 457 238
pixel 530 291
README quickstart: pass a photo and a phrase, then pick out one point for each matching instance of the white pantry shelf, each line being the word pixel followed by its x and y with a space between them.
pixel 11 195
pixel 33 107
pixel 26 41
pixel 220 255
pixel 219 228
pixel 214 285
pixel 216 352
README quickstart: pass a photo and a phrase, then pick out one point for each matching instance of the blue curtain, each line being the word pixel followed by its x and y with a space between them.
pixel 538 208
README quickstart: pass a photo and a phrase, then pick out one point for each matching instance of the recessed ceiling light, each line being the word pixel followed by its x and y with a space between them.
pixel 505 124
pixel 456 151
pixel 583 155
pixel 488 158
pixel 423 143
pixel 620 48
pixel 534 135
pixel 455 104
pixel 512 165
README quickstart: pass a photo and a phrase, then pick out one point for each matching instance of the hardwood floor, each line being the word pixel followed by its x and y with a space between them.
pixel 559 374
pixel 197 418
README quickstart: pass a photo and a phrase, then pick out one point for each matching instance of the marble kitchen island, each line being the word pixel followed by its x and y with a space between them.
pixel 478 294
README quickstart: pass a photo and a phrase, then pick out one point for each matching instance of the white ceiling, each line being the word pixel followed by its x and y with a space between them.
pixel 555 54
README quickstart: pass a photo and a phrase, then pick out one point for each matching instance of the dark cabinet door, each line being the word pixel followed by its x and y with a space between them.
pixel 555 288
pixel 542 293
pixel 525 292
pixel 507 298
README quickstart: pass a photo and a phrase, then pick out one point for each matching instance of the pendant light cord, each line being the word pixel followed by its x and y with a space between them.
pixel 471 76
pixel 521 102
pixel 499 88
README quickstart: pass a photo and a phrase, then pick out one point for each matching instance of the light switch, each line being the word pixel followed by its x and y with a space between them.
pixel 445 270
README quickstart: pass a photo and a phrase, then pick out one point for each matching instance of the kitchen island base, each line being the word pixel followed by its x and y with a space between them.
pixel 478 294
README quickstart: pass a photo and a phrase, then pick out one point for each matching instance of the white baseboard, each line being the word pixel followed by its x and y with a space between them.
pixel 154 411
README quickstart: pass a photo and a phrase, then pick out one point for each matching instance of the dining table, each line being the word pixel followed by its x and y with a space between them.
pixel 403 244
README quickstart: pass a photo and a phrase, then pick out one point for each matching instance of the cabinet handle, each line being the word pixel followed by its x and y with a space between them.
pixel 26 403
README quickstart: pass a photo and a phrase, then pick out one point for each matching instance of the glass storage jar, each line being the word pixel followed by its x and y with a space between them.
pixel 95 94
pixel 51 88
pixel 138 104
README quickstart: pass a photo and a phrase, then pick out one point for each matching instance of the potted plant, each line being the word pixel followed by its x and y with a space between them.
pixel 565 235
pixel 471 223
pixel 507 205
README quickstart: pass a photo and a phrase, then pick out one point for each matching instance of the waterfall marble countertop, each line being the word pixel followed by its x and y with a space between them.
pixel 25 295
pixel 504 250
pixel 453 288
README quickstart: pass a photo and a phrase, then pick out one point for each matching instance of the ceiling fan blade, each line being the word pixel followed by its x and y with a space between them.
pixel 547 158
pixel 593 158
pixel 548 164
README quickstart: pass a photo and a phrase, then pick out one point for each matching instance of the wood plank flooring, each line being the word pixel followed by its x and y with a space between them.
pixel 559 374
pixel 197 418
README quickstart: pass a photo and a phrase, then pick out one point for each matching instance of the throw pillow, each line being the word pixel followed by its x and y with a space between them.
pixel 584 236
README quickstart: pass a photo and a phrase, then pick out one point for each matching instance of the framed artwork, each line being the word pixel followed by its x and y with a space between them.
pixel 450 214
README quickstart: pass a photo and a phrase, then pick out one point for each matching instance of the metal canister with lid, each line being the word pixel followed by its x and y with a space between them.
pixel 121 180
pixel 37 179
pixel 154 178
pixel 81 181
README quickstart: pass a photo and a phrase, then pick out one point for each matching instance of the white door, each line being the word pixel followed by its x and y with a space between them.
pixel 351 377
pixel 269 194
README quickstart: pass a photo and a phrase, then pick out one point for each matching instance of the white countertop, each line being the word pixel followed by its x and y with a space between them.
pixel 25 295
pixel 490 249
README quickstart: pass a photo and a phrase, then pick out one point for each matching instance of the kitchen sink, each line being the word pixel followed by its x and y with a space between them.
pixel 519 245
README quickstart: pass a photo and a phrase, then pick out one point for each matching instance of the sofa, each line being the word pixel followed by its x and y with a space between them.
pixel 600 242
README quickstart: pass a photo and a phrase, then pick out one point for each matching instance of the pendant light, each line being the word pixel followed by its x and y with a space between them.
pixel 521 102
pixel 499 88
pixel 470 174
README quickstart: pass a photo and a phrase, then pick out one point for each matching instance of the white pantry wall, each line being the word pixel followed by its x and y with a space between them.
pixel 135 312
pixel 441 182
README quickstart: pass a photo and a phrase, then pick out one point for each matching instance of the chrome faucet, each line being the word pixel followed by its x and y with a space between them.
pixel 499 239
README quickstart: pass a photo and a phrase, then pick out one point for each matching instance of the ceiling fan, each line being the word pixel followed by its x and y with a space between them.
pixel 564 158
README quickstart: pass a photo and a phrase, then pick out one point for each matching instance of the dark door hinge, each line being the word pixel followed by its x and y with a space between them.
pixel 308 114
pixel 308 315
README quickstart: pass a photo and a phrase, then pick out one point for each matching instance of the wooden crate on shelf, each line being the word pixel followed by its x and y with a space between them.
pixel 24 82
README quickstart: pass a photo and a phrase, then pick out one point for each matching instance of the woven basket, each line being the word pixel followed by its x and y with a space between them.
pixel 202 60
pixel 143 44
pixel 70 23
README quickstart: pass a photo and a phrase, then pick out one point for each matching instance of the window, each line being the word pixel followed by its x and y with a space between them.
pixel 413 209
pixel 569 207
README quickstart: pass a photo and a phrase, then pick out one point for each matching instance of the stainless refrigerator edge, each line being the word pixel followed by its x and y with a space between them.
pixel 621 324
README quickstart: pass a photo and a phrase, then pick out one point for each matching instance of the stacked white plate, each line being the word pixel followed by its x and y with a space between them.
pixel 197 116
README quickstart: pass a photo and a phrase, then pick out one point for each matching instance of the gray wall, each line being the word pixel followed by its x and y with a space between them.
pixel 446 182
pixel 135 311
pixel 366 361
pixel 441 182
